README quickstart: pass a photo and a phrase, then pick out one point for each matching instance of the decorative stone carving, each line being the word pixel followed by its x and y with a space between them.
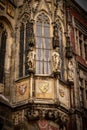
pixel 56 61
pixel 44 86
pixel 25 9
pixel 70 70
pixel 59 9
pixel 61 92
pixel 31 38
pixel 69 49
pixel 41 5
pixel 47 114
pixel 22 89
pixel 31 61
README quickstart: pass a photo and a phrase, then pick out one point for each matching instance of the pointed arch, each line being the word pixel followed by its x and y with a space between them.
pixel 7 24
pixel 6 32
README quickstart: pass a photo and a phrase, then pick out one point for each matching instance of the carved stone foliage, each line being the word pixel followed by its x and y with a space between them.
pixel 39 5
pixel 18 117
pixel 56 61
pixel 59 9
pixel 25 9
pixel 48 114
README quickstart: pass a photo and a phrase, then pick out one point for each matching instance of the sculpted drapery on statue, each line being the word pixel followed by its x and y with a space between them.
pixel 70 71
pixel 56 61
pixel 31 60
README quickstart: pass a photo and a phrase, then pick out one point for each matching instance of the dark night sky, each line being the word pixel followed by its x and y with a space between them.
pixel 82 3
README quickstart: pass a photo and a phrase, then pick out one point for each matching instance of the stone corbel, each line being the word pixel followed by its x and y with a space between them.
pixel 48 114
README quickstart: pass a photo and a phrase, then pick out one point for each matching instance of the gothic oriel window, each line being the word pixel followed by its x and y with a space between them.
pixel 2 53
pixel 43 45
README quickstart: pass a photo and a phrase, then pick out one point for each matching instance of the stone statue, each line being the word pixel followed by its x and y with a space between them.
pixel 70 70
pixel 31 60
pixel 56 61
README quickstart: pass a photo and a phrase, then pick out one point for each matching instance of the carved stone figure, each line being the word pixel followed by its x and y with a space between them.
pixel 31 60
pixel 56 61
pixel 70 70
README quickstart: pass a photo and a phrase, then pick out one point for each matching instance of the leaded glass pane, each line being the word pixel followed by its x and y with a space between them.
pixel 39 66
pixel 46 55
pixel 39 42
pixel 46 30
pixel 47 43
pixel 39 55
pixel 39 29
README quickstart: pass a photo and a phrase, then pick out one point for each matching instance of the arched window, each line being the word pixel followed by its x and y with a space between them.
pixel 2 52
pixel 43 45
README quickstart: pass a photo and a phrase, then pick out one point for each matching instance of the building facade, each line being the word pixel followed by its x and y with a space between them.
pixel 43 65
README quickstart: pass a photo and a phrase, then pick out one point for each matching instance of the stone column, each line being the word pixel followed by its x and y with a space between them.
pixel 57 90
pixel 31 87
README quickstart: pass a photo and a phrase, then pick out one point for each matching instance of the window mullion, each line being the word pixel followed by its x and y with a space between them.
pixel 43 46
